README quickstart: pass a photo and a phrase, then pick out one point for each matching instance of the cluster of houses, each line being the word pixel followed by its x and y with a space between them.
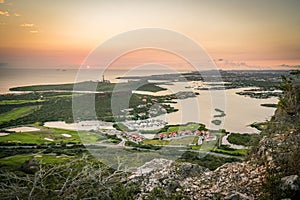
pixel 204 135
pixel 147 124
pixel 153 111
pixel 125 114
pixel 133 137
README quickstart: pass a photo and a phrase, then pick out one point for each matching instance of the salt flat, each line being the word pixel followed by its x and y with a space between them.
pixel 48 139
pixel 82 125
pixel 66 135
pixel 23 129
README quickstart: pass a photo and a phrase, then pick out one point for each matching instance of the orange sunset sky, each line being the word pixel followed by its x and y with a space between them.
pixel 237 34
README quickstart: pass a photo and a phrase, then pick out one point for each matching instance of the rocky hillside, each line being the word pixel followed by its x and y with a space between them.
pixel 165 179
pixel 270 172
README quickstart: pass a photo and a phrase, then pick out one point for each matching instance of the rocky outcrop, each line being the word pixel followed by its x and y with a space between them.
pixel 230 181
pixel 271 172
pixel 290 183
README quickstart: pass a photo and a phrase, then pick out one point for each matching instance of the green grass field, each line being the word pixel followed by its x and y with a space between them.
pixel 195 141
pixel 196 147
pixel 156 142
pixel 182 141
pixel 42 158
pixel 63 95
pixel 209 145
pixel 189 126
pixel 16 102
pixel 235 152
pixel 38 137
pixel 16 113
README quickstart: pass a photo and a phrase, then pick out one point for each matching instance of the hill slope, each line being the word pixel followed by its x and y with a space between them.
pixel 270 172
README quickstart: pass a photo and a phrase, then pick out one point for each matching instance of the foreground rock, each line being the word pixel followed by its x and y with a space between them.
pixel 189 181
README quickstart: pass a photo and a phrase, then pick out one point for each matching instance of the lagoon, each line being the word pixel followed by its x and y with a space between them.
pixel 241 111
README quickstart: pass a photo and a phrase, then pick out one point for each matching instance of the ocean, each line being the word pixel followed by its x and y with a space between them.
pixel 22 77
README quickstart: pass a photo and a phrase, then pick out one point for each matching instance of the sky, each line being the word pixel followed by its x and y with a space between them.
pixel 236 34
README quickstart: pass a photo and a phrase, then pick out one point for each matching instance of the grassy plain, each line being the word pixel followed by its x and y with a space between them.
pixel 16 113
pixel 13 102
pixel 17 160
pixel 38 137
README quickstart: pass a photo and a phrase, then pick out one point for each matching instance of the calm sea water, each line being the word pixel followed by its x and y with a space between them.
pixel 241 111
pixel 22 77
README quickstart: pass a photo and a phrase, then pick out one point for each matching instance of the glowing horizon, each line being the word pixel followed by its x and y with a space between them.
pixel 237 35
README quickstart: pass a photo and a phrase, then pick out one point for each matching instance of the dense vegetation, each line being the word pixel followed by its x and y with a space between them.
pixel 209 161
pixel 270 105
pixel 143 146
pixel 216 122
pixel 59 108
pixel 226 149
pixel 181 127
pixel 93 86
pixel 74 179
pixel 244 139
pixel 57 105
pixel 151 87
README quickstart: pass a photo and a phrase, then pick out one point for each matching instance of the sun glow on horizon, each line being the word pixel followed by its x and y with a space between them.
pixel 244 34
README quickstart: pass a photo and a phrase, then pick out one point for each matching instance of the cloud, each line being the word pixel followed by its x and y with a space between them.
pixel 290 66
pixel 31 27
pixel 4 13
pixel 17 14
pixel 27 25
pixel 229 64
